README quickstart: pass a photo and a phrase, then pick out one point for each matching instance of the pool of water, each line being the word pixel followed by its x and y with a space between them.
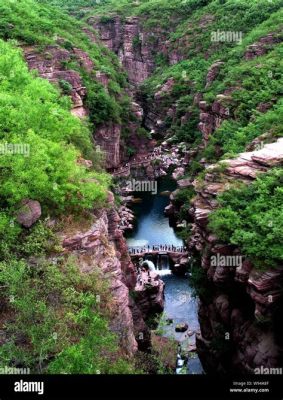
pixel 152 228
pixel 181 306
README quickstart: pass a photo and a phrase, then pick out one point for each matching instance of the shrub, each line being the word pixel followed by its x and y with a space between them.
pixel 33 114
pixel 65 86
pixel 60 323
pixel 251 218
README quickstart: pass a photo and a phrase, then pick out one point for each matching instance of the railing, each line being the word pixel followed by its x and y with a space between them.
pixel 157 249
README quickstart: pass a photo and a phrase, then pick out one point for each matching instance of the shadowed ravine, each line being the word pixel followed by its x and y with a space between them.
pixel 152 228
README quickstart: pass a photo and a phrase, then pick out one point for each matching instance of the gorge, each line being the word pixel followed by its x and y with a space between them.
pixel 107 93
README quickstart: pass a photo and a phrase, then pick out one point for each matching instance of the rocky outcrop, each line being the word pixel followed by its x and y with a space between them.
pixel 126 218
pixel 102 247
pixel 149 293
pixel 239 314
pixel 262 46
pixel 135 45
pixel 212 116
pixel 108 137
pixel 128 41
pixel 96 249
pixel 50 65
pixel 165 89
pixel 213 73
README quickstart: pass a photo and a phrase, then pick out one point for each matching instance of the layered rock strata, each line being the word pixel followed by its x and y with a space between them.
pixel 239 319
pixel 103 247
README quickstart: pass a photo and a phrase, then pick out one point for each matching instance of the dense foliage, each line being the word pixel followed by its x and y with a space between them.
pixel 56 326
pixel 40 25
pixel 59 326
pixel 33 114
pixel 62 326
pixel 251 217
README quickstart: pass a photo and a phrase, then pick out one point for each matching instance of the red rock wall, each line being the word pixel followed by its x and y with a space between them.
pixel 233 335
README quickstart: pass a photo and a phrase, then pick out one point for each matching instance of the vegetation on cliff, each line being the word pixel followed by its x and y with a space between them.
pixel 33 113
pixel 51 318
pixel 251 217
pixel 247 88
pixel 33 24
pixel 56 326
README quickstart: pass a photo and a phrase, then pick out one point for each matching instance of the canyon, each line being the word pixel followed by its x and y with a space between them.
pixel 156 99
pixel 250 344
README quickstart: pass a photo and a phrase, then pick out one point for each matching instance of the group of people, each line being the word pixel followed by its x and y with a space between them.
pixel 161 247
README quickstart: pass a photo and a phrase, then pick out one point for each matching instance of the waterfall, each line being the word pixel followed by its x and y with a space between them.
pixel 163 264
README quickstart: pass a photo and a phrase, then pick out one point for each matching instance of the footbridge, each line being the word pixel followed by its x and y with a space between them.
pixel 162 250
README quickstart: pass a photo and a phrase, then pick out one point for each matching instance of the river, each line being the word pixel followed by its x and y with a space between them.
pixel 152 228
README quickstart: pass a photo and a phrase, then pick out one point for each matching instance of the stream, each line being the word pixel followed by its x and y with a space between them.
pixel 152 228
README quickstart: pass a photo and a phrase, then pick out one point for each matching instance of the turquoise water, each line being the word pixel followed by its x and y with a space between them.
pixel 152 228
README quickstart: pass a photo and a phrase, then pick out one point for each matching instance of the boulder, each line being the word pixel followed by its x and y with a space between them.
pixel 213 72
pixel 29 213
pixel 261 47
pixel 182 327
pixel 169 210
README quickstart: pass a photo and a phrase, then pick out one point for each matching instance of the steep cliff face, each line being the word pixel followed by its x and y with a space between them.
pixel 50 65
pixel 138 48
pixel 102 246
pixel 108 137
pixel 239 315
pixel 130 43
